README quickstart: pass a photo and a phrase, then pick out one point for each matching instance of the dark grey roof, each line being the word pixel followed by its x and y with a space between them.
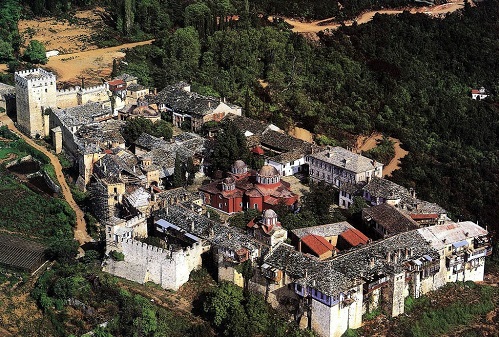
pixel 148 142
pixel 247 124
pixel 341 157
pixel 104 132
pixel 283 142
pixel 386 189
pixel 135 87
pixel 390 218
pixel 333 229
pixel 82 114
pixel 182 101
pixel 6 89
pixel 219 235
pixel 360 265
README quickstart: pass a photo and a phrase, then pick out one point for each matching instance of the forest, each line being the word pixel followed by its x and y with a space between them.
pixel 413 84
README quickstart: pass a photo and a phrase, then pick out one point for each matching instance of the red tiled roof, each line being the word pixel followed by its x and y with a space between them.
pixel 475 91
pixel 116 82
pixel 354 237
pixel 424 216
pixel 258 150
pixel 317 244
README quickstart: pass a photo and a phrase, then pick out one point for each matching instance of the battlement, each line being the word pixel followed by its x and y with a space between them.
pixel 34 77
pixel 157 250
pixel 93 89
pixel 69 91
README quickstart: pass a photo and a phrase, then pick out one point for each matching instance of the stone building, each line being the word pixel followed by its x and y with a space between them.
pixel 192 108
pixel 36 94
pixel 339 290
pixel 7 99
pixel 246 189
pixel 337 166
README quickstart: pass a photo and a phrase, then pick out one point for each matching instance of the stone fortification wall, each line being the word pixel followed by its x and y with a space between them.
pixel 144 263
pixel 67 97
pixel 95 94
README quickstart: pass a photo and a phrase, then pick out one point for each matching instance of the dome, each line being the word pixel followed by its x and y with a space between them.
pixel 239 164
pixel 239 167
pixel 268 171
pixel 269 213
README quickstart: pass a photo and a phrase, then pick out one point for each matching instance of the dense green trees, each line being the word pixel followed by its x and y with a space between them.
pixel 230 146
pixel 412 84
pixel 35 52
pixel 134 127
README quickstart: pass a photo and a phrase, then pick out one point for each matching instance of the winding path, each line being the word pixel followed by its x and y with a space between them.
pixel 320 25
pixel 80 232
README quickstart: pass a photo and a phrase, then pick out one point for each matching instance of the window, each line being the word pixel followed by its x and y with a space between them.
pixel 256 206
pixel 45 89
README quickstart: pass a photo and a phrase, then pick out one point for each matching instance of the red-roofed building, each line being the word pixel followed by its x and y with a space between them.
pixel 258 150
pixel 245 189
pixel 479 93
pixel 351 238
pixel 316 245
pixel 116 85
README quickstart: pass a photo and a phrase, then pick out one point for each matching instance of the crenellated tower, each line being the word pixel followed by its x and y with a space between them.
pixel 35 93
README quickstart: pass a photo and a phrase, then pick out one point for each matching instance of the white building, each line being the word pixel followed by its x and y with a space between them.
pixel 337 165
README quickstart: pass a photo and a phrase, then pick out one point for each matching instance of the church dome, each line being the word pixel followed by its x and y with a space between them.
pixel 228 184
pixel 269 213
pixel 268 175
pixel 268 171
pixel 239 167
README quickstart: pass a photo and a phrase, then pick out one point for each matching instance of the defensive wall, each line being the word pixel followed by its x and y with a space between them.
pixel 145 263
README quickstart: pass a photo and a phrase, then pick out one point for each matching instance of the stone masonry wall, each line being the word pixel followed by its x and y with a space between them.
pixel 144 263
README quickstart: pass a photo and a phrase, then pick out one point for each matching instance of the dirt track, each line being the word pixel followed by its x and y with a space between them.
pixel 92 64
pixel 80 232
pixel 365 143
pixel 315 27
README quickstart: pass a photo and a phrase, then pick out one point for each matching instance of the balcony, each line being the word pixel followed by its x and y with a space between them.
pixel 475 254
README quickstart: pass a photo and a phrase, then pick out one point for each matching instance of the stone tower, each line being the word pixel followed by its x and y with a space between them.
pixel 35 93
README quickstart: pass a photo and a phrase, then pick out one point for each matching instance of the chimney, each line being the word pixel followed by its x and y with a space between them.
pixel 208 214
pixel 155 91
pixel 389 257
pixel 412 191
pixel 299 245
pixel 371 262
pixel 406 253
pixel 229 236
pixel 192 226
pixel 166 209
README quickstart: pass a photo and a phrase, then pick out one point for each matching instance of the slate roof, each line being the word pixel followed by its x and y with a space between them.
pixel 333 229
pixel 357 266
pixel 221 236
pixel 247 124
pixel 441 235
pixel 386 189
pixel 104 132
pixel 148 142
pixel 181 101
pixel 82 114
pixel 139 198
pixel 390 218
pixel 135 87
pixel 341 157
pixel 6 89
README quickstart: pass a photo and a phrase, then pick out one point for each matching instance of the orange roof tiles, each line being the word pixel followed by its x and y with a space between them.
pixel 354 237
pixel 317 244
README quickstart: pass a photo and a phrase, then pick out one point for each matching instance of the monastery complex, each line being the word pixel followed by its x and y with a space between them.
pixel 331 274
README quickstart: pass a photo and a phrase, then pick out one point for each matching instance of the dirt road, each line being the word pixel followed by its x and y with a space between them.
pixel 365 143
pixel 315 26
pixel 80 232
pixel 93 65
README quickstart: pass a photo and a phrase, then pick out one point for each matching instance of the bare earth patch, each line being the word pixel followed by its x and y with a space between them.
pixel 320 25
pixel 62 35
pixel 365 143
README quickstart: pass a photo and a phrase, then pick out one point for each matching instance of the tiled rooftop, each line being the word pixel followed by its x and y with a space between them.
pixel 333 229
pixel 390 218
pixel 82 114
pixel 341 157
pixel 441 235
